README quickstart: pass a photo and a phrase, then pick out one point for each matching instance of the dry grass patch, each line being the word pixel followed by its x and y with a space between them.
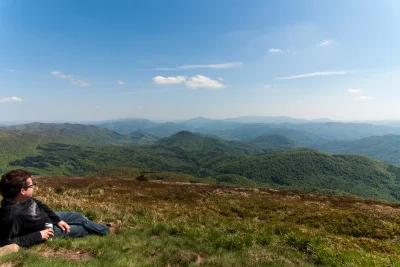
pixel 63 253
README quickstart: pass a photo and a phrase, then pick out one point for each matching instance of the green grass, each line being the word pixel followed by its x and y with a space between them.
pixel 168 224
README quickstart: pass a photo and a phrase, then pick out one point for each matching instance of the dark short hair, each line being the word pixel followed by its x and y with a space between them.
pixel 12 182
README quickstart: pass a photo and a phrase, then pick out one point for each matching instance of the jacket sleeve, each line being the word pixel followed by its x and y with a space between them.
pixel 9 231
pixel 54 217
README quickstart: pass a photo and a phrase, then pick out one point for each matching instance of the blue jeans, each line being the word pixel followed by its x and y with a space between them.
pixel 79 226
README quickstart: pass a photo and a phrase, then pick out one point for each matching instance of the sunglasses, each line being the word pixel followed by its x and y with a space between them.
pixel 30 186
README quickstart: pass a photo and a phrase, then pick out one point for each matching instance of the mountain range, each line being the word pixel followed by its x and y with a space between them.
pixel 255 154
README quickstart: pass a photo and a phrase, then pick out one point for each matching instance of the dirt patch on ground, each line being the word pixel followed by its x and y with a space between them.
pixel 66 254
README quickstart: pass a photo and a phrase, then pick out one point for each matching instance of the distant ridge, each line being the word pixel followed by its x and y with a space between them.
pixel 72 133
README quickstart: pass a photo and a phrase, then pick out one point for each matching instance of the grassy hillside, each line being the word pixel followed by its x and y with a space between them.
pixel 168 224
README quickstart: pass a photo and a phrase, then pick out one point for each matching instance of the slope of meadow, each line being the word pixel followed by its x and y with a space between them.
pixel 177 224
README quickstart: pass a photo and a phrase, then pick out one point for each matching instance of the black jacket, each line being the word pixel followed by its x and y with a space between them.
pixel 21 223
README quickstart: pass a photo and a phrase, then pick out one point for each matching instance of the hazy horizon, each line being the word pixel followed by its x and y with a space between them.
pixel 157 120
pixel 176 60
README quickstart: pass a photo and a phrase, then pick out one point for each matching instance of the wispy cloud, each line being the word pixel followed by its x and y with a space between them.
pixel 71 78
pixel 11 70
pixel 267 85
pixel 210 66
pixel 220 79
pixel 120 82
pixel 198 81
pixel 354 91
pixel 10 99
pixel 306 75
pixel 325 43
pixel 275 50
pixel 99 107
pixel 363 98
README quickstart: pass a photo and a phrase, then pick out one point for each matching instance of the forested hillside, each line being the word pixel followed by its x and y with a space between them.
pixel 193 142
pixel 299 169
pixel 239 129
pixel 74 133
pixel 68 149
pixel 385 148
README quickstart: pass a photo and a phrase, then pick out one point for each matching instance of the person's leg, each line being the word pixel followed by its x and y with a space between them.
pixel 75 231
pixel 75 218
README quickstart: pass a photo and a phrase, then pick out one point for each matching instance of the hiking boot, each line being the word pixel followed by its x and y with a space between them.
pixel 114 227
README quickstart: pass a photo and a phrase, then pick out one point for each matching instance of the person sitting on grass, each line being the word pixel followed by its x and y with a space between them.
pixel 23 218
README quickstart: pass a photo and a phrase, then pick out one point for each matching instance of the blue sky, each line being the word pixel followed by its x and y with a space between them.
pixel 70 60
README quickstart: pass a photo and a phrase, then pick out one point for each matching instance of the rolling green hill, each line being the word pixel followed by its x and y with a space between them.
pixel 139 138
pixel 239 129
pixel 385 148
pixel 193 142
pixel 248 132
pixel 68 149
pixel 310 170
pixel 273 142
pixel 299 169
pixel 128 125
pixel 75 133
pixel 342 131
pixel 17 142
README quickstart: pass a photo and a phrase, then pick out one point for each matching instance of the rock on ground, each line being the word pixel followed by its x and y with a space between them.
pixel 8 249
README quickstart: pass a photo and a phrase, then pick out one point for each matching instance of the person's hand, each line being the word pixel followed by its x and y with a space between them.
pixel 64 226
pixel 47 233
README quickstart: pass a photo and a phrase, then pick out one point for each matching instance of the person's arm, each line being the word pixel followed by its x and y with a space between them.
pixel 54 217
pixel 9 230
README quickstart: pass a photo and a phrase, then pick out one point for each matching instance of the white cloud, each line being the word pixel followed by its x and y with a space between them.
pixel 200 81
pixel 99 106
pixel 220 79
pixel 10 99
pixel 71 78
pixel 325 43
pixel 120 82
pixel 267 86
pixel 354 91
pixel 320 73
pixel 275 50
pixel 10 70
pixel 363 98
pixel 210 66
pixel 169 80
